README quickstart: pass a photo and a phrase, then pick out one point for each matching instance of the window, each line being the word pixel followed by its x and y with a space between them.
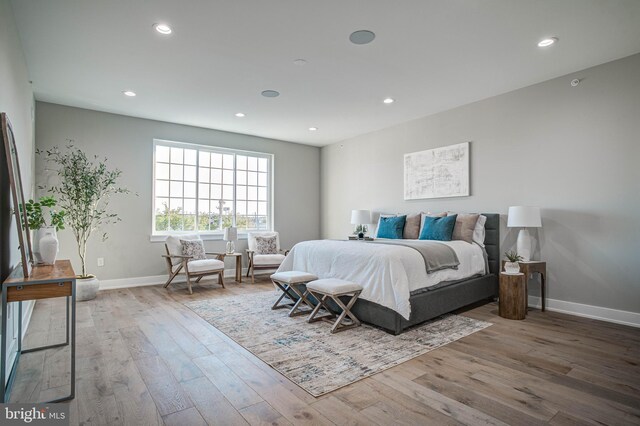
pixel 206 189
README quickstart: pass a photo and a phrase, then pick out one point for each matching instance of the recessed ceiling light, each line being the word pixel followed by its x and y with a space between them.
pixel 547 42
pixel 313 129
pixel 300 62
pixel 389 100
pixel 270 93
pixel 163 28
pixel 362 37
pixel 129 93
pixel 240 114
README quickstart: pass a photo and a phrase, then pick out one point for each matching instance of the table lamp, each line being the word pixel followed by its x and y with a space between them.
pixel 524 217
pixel 230 235
pixel 361 217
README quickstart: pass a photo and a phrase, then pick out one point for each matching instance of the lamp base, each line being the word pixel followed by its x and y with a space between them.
pixel 523 245
pixel 230 247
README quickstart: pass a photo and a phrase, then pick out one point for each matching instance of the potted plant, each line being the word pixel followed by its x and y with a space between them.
pixel 84 187
pixel 46 239
pixel 360 231
pixel 512 266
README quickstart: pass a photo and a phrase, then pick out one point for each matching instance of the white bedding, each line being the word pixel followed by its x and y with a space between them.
pixel 388 273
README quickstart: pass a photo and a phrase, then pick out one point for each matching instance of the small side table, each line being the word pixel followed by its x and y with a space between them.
pixel 530 267
pixel 513 296
pixel 45 281
pixel 238 257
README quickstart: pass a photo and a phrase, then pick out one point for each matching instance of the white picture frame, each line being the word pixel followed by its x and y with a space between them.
pixel 437 173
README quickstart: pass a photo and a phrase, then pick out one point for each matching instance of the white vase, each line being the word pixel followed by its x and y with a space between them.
pixel 48 245
pixel 87 288
pixel 511 267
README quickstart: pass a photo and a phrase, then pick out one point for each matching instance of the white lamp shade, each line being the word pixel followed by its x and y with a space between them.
pixel 230 233
pixel 524 216
pixel 360 217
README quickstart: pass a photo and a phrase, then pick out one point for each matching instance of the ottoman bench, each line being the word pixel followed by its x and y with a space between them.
pixel 334 288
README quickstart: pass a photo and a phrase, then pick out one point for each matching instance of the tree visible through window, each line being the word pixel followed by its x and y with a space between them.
pixel 206 189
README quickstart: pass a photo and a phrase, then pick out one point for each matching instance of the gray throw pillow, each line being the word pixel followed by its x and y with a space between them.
pixel 193 248
pixel 465 225
pixel 266 245
pixel 412 226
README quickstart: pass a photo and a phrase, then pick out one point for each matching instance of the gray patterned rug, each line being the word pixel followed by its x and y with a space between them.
pixel 311 357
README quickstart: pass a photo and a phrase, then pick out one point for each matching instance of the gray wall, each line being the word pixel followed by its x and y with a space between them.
pixel 573 151
pixel 16 99
pixel 128 144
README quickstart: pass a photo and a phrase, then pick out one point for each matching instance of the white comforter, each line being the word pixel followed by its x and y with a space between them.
pixel 388 273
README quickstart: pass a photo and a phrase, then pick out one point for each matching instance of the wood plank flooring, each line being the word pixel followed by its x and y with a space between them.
pixel 143 358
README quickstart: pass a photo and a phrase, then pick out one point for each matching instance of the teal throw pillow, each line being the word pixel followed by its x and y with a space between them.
pixel 391 227
pixel 438 228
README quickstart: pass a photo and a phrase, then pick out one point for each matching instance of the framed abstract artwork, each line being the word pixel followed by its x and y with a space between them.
pixel 437 173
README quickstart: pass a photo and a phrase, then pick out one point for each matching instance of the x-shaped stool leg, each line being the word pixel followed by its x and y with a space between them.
pixel 302 298
pixel 286 288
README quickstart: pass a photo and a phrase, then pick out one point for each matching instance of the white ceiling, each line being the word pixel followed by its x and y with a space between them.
pixel 428 55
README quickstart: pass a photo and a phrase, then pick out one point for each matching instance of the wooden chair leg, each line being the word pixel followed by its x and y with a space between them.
pixel 172 275
pixel 199 278
pixel 221 278
pixel 189 284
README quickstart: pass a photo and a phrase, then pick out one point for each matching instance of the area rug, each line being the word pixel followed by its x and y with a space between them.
pixel 313 358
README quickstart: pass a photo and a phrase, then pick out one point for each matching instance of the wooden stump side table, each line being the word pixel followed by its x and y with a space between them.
pixel 530 267
pixel 513 296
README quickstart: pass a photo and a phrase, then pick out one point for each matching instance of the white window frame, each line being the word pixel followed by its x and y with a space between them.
pixel 160 236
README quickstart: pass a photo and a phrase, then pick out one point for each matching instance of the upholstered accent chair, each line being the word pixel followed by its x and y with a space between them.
pixel 263 261
pixel 178 263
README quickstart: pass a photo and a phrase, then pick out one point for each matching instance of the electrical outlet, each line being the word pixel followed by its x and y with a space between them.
pixel 101 261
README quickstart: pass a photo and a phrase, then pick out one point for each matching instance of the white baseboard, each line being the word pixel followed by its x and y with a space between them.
pixel 588 311
pixel 153 280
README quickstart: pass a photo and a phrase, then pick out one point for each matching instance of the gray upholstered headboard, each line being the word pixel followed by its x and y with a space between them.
pixel 492 241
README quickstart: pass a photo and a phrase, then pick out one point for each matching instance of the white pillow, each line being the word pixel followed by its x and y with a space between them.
pixel 479 231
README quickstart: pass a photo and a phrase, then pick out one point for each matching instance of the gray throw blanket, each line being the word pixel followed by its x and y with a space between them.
pixel 436 255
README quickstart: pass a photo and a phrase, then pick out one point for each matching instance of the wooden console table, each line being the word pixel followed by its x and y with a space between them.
pixel 45 281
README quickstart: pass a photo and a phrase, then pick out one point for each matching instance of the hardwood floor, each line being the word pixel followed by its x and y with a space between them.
pixel 143 358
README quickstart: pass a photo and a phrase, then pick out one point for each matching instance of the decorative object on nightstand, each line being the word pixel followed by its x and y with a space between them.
pixel 360 218
pixel 230 235
pixel 531 267
pixel 511 266
pixel 513 296
pixel 524 217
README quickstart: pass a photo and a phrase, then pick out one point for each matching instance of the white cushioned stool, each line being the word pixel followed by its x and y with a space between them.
pixel 334 288
pixel 288 282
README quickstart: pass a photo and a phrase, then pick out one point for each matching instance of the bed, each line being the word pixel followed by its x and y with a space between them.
pixel 397 295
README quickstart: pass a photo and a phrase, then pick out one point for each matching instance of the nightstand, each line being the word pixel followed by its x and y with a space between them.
pixel 531 267
pixel 238 257
pixel 513 296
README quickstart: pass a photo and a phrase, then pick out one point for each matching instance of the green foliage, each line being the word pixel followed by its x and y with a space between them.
pixel 35 214
pixel 84 189
pixel 176 220
pixel 513 256
pixel 359 229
